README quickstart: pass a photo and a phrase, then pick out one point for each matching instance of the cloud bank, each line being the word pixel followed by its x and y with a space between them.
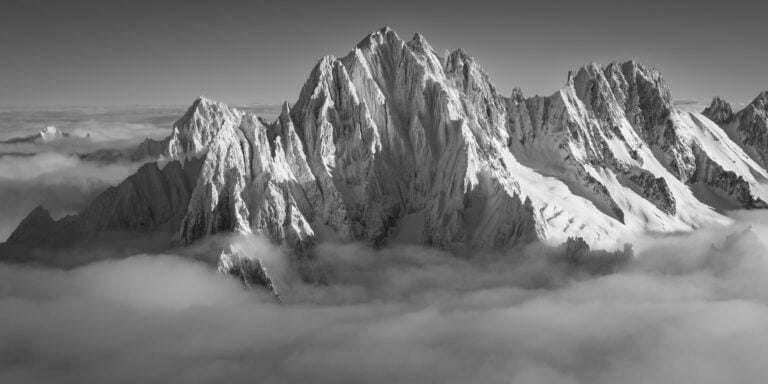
pixel 682 311
pixel 62 183
pixel 51 173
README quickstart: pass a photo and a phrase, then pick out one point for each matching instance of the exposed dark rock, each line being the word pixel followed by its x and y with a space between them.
pixel 250 272
pixel 719 111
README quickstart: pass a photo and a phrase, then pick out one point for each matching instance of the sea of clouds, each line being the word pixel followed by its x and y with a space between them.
pixel 688 308
pixel 682 311
pixel 51 173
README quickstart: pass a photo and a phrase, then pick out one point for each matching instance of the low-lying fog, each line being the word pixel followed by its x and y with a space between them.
pixel 687 309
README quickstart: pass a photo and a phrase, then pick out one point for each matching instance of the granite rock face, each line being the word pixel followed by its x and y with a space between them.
pixel 249 271
pixel 394 143
pixel 748 127
pixel 152 199
pixel 719 111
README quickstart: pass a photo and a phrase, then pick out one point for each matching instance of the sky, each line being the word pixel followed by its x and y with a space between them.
pixel 97 53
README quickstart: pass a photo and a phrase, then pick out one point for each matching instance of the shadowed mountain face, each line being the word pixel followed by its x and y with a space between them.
pixel 395 144
pixel 747 127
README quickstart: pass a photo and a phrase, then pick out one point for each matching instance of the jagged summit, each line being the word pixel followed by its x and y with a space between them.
pixel 202 100
pixel 747 127
pixel 392 143
pixel 379 36
pixel 759 104
pixel 285 114
pixel 418 37
pixel 420 43
pixel 517 94
pixel 201 106
pixel 719 111
pixel 250 272
pixel 193 133
pixel 51 133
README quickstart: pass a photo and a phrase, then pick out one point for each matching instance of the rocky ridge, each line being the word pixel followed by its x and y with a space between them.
pixel 393 143
pixel 747 127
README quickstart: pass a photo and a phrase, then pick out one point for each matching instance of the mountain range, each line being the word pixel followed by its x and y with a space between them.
pixel 394 143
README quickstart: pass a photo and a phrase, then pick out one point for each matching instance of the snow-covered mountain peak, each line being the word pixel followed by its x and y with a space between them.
pixel 204 107
pixel 392 144
pixel 47 134
pixel 285 113
pixel 203 101
pixel 194 131
pixel 633 85
pixel 51 133
pixel 420 43
pixel 517 94
pixel 419 38
pixel 747 127
pixel 467 74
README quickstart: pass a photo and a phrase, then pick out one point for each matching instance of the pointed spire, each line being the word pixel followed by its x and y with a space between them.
pixel 380 36
pixel 719 111
pixel 202 101
pixel 285 114
pixel 569 79
pixel 286 109
pixel 419 42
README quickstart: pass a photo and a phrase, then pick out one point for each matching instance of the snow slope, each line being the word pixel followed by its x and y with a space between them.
pixel 393 143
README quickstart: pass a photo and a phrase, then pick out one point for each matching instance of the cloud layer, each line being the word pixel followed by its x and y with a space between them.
pixel 683 311
pixel 62 183
pixel 51 174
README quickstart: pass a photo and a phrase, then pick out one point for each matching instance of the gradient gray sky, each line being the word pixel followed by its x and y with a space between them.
pixel 103 52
